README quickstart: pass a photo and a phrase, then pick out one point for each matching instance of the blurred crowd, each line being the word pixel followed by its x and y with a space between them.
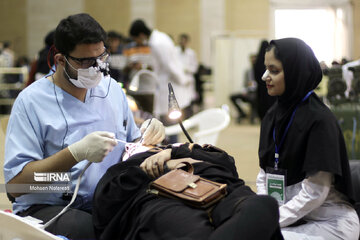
pixel 132 64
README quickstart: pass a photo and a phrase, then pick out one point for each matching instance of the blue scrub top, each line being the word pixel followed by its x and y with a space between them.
pixel 45 119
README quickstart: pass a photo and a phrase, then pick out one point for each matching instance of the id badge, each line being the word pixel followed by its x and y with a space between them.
pixel 275 184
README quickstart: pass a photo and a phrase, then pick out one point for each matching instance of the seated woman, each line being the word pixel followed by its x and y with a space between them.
pixel 303 160
pixel 124 210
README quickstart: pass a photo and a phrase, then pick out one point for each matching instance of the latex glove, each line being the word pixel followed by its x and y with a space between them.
pixel 153 133
pixel 94 147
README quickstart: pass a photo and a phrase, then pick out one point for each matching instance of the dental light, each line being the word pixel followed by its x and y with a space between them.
pixel 174 111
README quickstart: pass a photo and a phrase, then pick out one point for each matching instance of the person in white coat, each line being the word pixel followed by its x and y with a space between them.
pixel 190 64
pixel 167 67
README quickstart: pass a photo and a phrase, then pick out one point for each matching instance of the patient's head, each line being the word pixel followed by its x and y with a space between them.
pixel 134 148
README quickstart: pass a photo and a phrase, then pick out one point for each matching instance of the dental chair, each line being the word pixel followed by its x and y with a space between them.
pixel 142 88
pixel 208 124
pixel 13 227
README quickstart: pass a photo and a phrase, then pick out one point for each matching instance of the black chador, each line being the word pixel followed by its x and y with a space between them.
pixel 124 210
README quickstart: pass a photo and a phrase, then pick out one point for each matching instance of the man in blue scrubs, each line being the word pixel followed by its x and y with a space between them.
pixel 62 122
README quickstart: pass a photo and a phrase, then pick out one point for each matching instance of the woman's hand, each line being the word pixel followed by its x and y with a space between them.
pixel 154 165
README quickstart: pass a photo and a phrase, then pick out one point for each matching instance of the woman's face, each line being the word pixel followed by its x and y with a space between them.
pixel 274 75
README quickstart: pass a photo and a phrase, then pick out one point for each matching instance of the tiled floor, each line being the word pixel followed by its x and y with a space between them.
pixel 240 141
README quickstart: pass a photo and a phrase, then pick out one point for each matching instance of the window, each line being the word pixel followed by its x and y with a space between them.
pixel 315 26
pixel 326 26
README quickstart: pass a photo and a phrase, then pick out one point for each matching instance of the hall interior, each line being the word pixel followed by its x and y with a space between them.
pixel 219 30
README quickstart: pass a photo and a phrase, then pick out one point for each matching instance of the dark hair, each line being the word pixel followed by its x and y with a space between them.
pixel 114 34
pixel 185 36
pixel 138 27
pixel 276 51
pixel 49 39
pixel 77 29
pixel 42 63
pixel 6 44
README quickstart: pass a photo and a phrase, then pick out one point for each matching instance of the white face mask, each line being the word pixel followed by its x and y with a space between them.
pixel 86 78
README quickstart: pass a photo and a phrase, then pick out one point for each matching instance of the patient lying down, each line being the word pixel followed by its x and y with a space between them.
pixel 124 210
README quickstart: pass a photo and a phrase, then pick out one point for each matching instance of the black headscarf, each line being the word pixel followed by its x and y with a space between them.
pixel 301 68
pixel 314 141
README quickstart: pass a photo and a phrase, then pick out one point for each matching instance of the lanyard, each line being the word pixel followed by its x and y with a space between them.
pixel 277 148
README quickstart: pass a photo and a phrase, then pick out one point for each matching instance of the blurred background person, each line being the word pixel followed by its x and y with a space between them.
pixel 2 57
pixel 40 65
pixel 8 54
pixel 7 60
pixel 117 61
pixel 190 64
pixel 249 95
pixel 140 80
pixel 167 67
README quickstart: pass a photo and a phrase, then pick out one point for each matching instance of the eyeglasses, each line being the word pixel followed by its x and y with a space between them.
pixel 91 61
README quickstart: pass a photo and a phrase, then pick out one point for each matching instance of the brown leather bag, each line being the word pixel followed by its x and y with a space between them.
pixel 189 188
